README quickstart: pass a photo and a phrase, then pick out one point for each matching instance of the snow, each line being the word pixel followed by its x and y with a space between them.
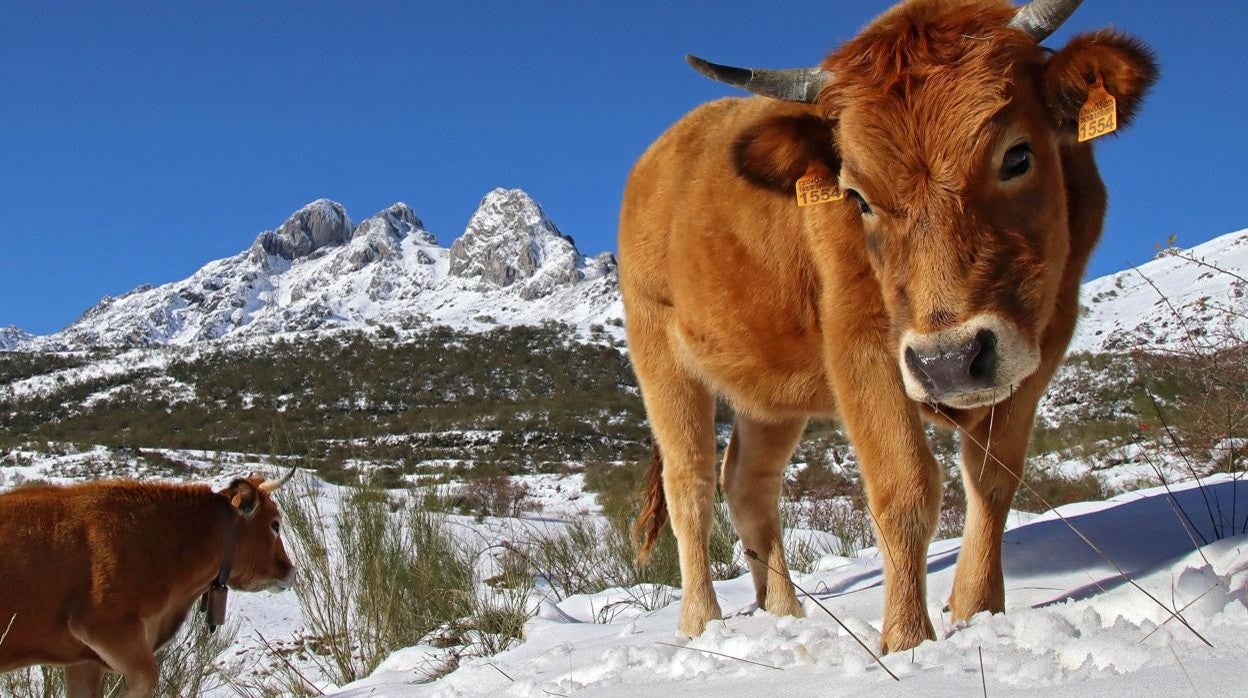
pixel 14 338
pixel 1172 302
pixel 1073 626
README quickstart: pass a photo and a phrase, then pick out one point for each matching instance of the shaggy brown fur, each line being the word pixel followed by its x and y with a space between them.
pixel 732 290
pixel 98 576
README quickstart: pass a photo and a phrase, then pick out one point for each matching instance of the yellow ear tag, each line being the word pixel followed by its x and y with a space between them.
pixel 1099 114
pixel 817 186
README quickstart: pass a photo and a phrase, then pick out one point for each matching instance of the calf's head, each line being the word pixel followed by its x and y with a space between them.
pixel 948 128
pixel 260 559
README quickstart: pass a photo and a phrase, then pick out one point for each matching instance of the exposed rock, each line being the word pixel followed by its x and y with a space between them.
pixel 509 240
pixel 320 224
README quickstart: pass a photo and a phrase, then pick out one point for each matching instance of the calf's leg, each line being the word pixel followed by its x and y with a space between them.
pixel 753 473
pixel 990 480
pixel 682 417
pixel 901 476
pixel 84 680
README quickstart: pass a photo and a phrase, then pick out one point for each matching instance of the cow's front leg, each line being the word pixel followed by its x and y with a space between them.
pixel 84 680
pixel 901 477
pixel 990 480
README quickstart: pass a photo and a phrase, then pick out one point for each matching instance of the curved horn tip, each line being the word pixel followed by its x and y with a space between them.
pixel 272 485
pixel 719 72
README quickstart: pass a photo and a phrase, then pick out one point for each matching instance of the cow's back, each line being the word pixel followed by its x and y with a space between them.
pixel 720 265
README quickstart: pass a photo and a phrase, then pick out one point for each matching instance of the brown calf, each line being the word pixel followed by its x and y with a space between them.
pixel 96 577
pixel 944 286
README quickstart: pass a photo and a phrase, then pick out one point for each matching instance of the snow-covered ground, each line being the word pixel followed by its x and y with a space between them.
pixel 1073 625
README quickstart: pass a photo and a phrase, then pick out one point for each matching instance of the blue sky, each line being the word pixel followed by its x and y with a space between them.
pixel 139 140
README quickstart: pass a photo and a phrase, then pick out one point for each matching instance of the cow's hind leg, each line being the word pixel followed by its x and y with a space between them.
pixel 84 680
pixel 682 416
pixel 753 474
pixel 124 646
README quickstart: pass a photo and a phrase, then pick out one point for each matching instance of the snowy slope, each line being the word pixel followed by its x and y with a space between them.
pixel 318 270
pixel 1072 626
pixel 14 338
pixel 1176 301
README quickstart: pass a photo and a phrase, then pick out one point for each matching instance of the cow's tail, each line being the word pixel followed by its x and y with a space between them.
pixel 653 514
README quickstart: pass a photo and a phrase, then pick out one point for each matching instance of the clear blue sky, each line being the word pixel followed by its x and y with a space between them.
pixel 139 140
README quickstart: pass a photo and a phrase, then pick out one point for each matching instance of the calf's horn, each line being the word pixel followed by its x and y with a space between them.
pixel 789 84
pixel 1040 18
pixel 271 485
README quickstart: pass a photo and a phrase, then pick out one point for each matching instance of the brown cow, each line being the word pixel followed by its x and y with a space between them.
pixel 945 284
pixel 96 577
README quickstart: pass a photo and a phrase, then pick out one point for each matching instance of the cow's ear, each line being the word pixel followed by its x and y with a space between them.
pixel 1127 66
pixel 244 496
pixel 775 152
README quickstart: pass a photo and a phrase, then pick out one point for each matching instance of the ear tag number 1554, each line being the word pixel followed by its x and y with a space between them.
pixel 817 187
pixel 1099 114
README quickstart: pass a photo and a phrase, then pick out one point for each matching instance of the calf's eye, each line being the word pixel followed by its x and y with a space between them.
pixel 1017 162
pixel 277 527
pixel 863 207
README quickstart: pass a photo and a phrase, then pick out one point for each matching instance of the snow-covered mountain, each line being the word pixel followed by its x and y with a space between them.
pixel 14 338
pixel 318 270
pixel 513 266
pixel 1184 299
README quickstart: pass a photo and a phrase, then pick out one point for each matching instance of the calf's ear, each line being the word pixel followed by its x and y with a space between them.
pixel 775 152
pixel 1125 64
pixel 243 496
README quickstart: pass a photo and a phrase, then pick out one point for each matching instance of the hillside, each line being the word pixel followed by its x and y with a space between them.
pixel 1180 299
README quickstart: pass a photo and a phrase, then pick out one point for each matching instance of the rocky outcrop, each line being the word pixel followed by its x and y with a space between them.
pixel 320 224
pixel 379 237
pixel 510 241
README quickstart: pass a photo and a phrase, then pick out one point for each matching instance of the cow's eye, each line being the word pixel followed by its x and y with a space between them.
pixel 863 206
pixel 1017 162
pixel 277 527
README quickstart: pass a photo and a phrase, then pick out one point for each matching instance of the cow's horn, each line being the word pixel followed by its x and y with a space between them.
pixel 1040 18
pixel 790 84
pixel 271 485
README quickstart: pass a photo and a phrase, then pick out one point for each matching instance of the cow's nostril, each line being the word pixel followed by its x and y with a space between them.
pixel 915 364
pixel 984 364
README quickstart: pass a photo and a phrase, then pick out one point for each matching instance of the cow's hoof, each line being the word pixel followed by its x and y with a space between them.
pixel 903 636
pixel 694 617
pixel 782 604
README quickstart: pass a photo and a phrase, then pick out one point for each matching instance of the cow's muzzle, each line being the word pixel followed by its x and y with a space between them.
pixel 975 364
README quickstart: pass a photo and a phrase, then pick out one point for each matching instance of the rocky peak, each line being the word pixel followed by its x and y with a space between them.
pixel 379 237
pixel 509 240
pixel 396 222
pixel 322 223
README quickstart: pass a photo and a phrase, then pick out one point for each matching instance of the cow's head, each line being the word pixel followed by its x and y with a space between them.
pixel 260 560
pixel 948 127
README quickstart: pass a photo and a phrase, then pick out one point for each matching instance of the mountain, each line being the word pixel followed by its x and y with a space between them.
pixel 14 338
pixel 1180 300
pixel 513 266
pixel 318 270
